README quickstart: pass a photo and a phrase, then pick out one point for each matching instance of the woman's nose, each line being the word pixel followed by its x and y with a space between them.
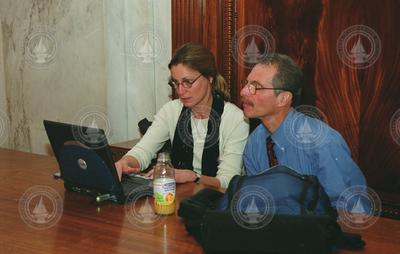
pixel 179 89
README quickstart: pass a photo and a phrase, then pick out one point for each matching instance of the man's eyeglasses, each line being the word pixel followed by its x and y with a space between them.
pixel 185 83
pixel 253 86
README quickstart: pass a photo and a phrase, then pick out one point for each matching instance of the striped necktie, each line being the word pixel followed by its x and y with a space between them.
pixel 271 154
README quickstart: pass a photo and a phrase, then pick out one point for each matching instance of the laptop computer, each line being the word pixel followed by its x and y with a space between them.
pixel 86 163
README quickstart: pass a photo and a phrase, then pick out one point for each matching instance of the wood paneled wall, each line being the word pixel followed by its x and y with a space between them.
pixel 359 103
pixel 211 23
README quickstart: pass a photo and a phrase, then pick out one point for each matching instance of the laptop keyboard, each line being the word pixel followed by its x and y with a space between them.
pixel 131 183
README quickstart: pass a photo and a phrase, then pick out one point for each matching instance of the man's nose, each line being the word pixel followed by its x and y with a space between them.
pixel 244 91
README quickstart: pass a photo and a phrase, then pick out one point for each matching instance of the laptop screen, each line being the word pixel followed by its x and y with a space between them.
pixel 81 164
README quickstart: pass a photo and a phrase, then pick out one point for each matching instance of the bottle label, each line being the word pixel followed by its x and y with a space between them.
pixel 164 191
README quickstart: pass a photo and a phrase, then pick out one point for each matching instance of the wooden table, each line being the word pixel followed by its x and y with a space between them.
pixel 88 228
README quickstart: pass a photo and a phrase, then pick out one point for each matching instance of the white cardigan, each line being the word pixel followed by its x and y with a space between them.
pixel 233 132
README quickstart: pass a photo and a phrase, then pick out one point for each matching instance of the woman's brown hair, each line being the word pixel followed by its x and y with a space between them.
pixel 199 58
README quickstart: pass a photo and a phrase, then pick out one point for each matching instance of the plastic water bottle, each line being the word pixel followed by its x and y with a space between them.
pixel 164 185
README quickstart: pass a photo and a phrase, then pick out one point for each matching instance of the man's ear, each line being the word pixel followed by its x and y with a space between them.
pixel 285 98
pixel 210 79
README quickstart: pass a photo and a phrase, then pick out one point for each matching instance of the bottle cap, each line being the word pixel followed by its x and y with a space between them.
pixel 163 157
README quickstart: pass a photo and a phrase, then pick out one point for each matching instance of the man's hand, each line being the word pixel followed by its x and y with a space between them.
pixel 123 167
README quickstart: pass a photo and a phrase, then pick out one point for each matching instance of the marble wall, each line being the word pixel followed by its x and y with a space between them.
pixel 90 62
pixel 138 49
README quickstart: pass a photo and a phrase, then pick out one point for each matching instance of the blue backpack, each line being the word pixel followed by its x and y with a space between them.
pixel 279 190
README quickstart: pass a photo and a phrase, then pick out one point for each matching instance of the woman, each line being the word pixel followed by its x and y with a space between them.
pixel 207 133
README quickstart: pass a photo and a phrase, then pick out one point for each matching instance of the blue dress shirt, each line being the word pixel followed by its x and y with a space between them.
pixel 308 146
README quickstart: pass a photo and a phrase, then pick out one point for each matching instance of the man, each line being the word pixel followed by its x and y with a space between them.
pixel 288 137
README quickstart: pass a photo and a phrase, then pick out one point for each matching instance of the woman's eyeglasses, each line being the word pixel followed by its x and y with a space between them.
pixel 185 83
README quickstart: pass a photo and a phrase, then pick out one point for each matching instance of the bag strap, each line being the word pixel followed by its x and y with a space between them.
pixel 240 183
pixel 316 187
pixel 232 188
pixel 303 194
pixel 312 181
pixel 326 204
pixel 329 209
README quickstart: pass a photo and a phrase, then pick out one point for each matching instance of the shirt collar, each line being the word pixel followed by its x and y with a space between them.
pixel 279 136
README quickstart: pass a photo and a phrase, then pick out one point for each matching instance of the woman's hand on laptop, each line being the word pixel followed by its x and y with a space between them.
pixel 150 174
pixel 127 165
pixel 181 175
pixel 184 175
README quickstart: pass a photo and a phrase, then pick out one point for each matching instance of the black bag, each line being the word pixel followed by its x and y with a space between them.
pixel 284 234
pixel 303 220
pixel 193 209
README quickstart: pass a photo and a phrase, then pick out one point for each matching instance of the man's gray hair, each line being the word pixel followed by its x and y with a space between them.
pixel 289 76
